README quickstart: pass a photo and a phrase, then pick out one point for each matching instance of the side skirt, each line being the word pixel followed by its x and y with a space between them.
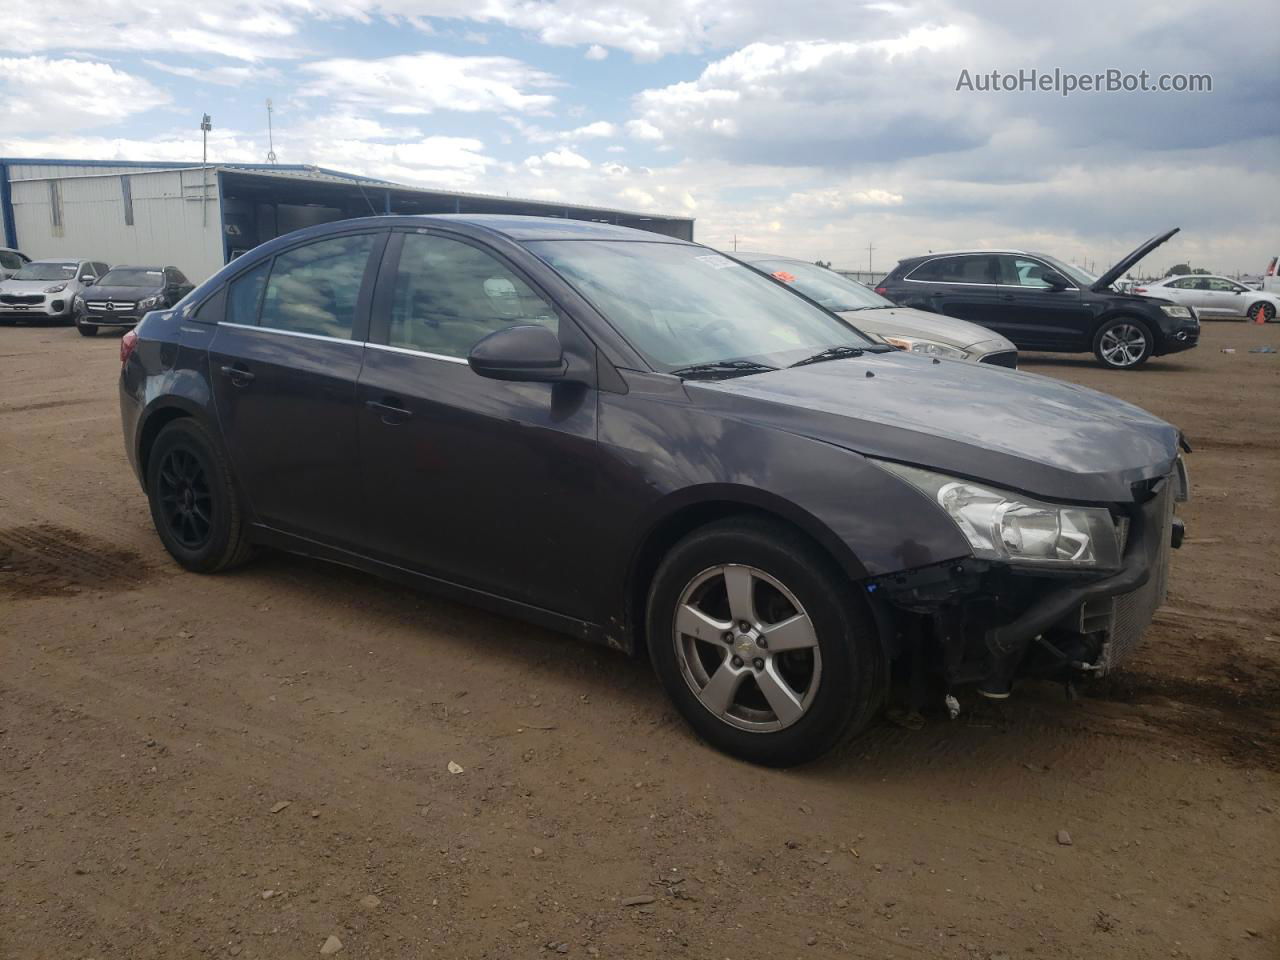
pixel 292 543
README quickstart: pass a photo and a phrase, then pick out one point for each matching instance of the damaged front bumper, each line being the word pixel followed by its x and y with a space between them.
pixel 977 621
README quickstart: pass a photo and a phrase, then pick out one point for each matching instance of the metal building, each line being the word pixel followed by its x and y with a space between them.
pixel 198 218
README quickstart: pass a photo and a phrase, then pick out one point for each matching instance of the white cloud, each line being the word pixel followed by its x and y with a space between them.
pixel 643 130
pixel 596 52
pixel 561 158
pixel 39 95
pixel 227 76
pixel 426 82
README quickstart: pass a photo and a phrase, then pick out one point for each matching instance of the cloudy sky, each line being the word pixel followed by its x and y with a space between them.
pixel 806 128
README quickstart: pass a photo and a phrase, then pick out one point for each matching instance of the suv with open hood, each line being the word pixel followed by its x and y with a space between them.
pixel 1043 303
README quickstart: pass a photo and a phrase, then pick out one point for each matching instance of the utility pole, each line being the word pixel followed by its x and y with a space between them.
pixel 271 143
pixel 869 249
pixel 206 124
pixel 735 243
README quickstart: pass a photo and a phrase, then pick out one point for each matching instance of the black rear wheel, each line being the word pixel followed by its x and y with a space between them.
pixel 762 644
pixel 194 504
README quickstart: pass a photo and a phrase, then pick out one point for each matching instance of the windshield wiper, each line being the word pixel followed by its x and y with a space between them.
pixel 832 353
pixel 720 368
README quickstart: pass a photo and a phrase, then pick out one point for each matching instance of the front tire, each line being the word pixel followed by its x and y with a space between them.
pixel 1123 343
pixel 1268 311
pixel 194 504
pixel 764 646
pixel 84 329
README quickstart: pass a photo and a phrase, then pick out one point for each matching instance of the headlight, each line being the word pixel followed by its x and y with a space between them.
pixel 1173 310
pixel 149 302
pixel 928 347
pixel 56 288
pixel 1003 525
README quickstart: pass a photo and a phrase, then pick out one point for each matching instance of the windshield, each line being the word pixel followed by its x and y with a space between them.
pixel 132 277
pixel 1080 277
pixel 680 305
pixel 832 290
pixel 46 271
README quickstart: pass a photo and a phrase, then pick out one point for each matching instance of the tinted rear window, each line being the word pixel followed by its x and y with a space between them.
pixel 966 269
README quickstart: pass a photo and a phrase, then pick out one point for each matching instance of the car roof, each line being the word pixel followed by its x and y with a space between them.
pixel 546 228
pixel 958 253
pixel 60 260
pixel 132 266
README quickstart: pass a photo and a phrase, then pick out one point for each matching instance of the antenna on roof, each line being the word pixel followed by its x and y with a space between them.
pixel 271 144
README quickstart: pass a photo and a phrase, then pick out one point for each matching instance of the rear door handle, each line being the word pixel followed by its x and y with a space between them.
pixel 390 409
pixel 238 374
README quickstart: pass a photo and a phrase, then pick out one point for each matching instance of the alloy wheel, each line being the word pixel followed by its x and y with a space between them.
pixel 747 648
pixel 186 502
pixel 1123 345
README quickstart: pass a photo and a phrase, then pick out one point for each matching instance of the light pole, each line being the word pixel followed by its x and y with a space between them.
pixel 206 124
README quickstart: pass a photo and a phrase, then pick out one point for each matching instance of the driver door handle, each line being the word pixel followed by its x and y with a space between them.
pixel 238 374
pixel 390 409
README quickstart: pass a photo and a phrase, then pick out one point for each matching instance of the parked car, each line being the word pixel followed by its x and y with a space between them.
pixel 900 327
pixel 1042 303
pixel 641 442
pixel 123 294
pixel 1216 298
pixel 11 261
pixel 46 289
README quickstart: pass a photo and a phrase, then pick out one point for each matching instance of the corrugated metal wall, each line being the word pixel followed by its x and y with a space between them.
pixel 20 170
pixel 167 225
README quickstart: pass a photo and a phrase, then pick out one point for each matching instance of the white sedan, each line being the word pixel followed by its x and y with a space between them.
pixel 1214 297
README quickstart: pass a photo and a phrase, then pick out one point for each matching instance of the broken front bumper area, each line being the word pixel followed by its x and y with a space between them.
pixel 977 622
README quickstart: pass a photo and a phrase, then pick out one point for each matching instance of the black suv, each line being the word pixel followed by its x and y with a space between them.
pixel 123 295
pixel 1042 303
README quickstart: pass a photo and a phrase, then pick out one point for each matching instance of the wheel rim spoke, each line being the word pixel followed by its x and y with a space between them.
pixel 794 633
pixel 784 701
pixel 740 585
pixel 717 696
pixel 695 623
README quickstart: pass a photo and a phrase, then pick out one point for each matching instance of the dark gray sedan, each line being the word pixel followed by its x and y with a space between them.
pixel 648 445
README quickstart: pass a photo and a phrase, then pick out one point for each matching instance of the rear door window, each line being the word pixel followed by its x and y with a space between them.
pixel 970 268
pixel 313 289
pixel 244 295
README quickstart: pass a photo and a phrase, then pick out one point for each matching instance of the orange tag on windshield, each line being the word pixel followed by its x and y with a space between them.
pixel 784 276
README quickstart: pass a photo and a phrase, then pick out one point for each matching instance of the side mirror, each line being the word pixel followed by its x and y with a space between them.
pixel 526 352
pixel 88 281
pixel 1056 281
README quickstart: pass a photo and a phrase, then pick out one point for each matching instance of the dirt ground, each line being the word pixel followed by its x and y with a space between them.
pixel 245 765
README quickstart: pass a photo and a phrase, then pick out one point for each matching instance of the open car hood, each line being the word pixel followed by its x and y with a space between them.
pixel 1124 263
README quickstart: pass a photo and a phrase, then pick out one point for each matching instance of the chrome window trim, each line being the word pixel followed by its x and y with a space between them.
pixel 415 353
pixel 966 283
pixel 292 333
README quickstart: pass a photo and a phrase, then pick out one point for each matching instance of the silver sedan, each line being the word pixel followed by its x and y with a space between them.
pixel 1214 297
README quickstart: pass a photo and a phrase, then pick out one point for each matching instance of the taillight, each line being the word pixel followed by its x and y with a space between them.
pixel 883 291
pixel 128 343
pixel 1139 289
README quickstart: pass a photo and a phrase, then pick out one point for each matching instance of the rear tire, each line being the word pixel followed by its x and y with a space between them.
pixel 1123 343
pixel 84 329
pixel 194 504
pixel 817 678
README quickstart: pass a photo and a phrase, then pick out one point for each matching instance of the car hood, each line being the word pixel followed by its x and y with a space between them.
pixel 1017 430
pixel 1124 263
pixel 126 294
pixel 904 321
pixel 30 286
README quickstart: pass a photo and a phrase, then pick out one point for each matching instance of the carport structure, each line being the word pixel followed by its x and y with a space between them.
pixel 200 217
